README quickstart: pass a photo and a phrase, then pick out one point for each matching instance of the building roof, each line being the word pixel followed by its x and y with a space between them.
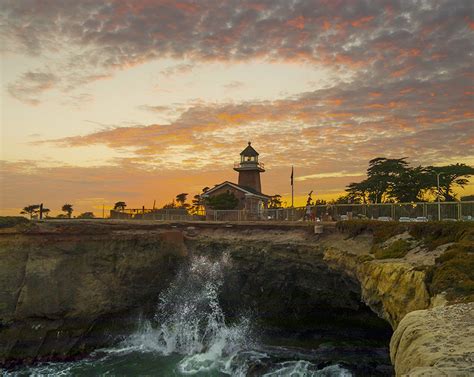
pixel 249 151
pixel 245 189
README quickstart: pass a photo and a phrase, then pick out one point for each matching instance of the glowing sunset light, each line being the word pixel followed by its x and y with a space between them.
pixel 137 101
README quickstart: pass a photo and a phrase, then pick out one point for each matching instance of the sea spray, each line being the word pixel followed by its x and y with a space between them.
pixel 191 322
pixel 189 335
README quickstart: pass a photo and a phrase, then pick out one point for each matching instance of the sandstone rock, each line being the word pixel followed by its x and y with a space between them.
pixel 391 288
pixel 435 342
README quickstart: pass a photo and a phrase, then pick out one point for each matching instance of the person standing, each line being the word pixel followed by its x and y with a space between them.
pixel 307 212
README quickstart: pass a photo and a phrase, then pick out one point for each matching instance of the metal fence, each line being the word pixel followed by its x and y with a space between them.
pixel 155 214
pixel 396 211
pixel 329 212
pixel 335 212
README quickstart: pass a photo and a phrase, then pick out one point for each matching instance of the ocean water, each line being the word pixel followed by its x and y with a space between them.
pixel 190 336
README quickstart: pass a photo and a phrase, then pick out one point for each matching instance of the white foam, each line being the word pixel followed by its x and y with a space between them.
pixel 192 323
pixel 304 368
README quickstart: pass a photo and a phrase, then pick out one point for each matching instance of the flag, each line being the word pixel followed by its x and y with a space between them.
pixel 291 176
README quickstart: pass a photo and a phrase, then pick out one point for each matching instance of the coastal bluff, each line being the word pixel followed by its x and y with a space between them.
pixel 71 286
pixel 65 288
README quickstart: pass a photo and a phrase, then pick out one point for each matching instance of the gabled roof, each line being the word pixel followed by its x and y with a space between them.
pixel 245 189
pixel 249 151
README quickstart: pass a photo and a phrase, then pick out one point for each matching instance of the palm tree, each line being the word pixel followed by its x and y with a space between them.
pixel 120 206
pixel 68 209
pixel 46 211
pixel 31 210
pixel 181 199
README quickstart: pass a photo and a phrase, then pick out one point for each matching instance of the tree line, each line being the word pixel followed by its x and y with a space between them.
pixel 39 211
pixel 393 180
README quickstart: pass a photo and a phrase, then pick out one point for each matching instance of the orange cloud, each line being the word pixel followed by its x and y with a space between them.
pixel 297 22
pixel 401 72
pixel 362 21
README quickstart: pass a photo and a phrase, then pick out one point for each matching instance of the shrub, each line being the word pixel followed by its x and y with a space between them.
pixel 364 258
pixel 11 221
pixel 381 230
pixel 439 233
pixel 397 249
pixel 453 273
pixel 86 215
pixel 224 201
pixel 433 234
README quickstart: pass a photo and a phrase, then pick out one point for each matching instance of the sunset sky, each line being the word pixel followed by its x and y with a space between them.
pixel 140 100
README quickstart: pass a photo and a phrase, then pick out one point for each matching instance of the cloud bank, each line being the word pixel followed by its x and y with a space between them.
pixel 410 91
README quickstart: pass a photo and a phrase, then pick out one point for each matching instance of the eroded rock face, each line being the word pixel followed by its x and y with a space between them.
pixel 280 279
pixel 391 288
pixel 430 339
pixel 435 342
pixel 289 288
pixel 62 289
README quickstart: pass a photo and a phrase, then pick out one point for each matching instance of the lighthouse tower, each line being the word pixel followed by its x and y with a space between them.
pixel 249 169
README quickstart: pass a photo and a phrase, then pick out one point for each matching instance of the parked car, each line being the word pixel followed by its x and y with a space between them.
pixel 404 219
pixel 344 217
pixel 384 218
pixel 421 219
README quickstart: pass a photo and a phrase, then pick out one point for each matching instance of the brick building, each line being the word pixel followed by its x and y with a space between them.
pixel 248 190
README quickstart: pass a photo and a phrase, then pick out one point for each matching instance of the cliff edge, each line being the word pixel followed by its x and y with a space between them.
pixel 63 288
pixel 420 278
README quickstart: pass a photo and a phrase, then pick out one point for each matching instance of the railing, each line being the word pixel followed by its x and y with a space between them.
pixel 450 211
pixel 423 211
pixel 244 164
pixel 156 214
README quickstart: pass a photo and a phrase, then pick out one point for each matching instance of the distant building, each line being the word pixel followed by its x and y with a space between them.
pixel 249 189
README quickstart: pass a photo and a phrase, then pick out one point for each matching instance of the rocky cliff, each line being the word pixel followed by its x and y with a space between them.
pixel 391 288
pixel 67 284
pixel 280 278
pixel 63 288
pixel 416 278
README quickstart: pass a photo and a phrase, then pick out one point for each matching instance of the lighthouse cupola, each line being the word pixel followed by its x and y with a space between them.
pixel 249 168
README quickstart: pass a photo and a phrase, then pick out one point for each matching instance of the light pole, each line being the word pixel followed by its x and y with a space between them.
pixel 439 204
